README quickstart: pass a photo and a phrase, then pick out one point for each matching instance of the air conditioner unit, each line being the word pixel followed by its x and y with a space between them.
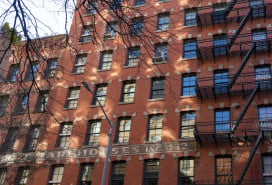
pixel 265 124
pixel 158 56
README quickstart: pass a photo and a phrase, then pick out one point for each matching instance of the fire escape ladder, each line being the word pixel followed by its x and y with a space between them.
pixel 239 29
pixel 245 109
pixel 242 65
pixel 252 153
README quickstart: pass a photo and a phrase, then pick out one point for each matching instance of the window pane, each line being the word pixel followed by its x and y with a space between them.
pixel 154 127
pixel 189 49
pixel 186 171
pixel 188 85
pixel 187 125
pixel 163 22
pixel 222 120
pixel 223 170
pixel 221 82
pixel 93 132
pixel 190 17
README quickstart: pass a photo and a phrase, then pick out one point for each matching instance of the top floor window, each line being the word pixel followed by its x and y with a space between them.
pixel 13 72
pixel 86 35
pixel 79 65
pixel 190 17
pixel 265 117
pixel 31 71
pixel 163 21
pixel 51 68
pixel 189 49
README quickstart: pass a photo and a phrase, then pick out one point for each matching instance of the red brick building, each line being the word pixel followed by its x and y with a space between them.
pixel 187 85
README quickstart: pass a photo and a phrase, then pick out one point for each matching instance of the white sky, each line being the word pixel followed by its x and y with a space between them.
pixel 50 15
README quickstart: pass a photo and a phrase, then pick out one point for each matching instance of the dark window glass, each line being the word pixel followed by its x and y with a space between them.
pixel 116 4
pixel 221 82
pixel 219 13
pixel 22 176
pixel 186 172
pixel 64 135
pixel 105 61
pixel 257 8
pixel 133 56
pixel 163 21
pixel 118 173
pixel 123 130
pixel 3 173
pixel 93 132
pixel 154 127
pixel 86 174
pixel 13 72
pixel 151 172
pixel 21 104
pixel 56 174
pixel 92 6
pixel 3 104
pixel 31 71
pixel 190 18
pixel 189 49
pixel 157 88
pixel 111 31
pixel 219 45
pixel 136 26
pixel 187 124
pixel 267 169
pixel 80 62
pixel 222 120
pixel 51 68
pixel 128 91
pixel 100 91
pixel 259 37
pixel 32 139
pixel 263 77
pixel 42 101
pixel 86 35
pixel 265 117
pixel 223 170
pixel 72 97
pixel 139 2
pixel 10 140
pixel 188 85
pixel 160 53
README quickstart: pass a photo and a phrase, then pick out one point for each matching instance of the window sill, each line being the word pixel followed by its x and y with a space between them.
pixel 124 67
pixel 157 99
pixel 184 59
pixel 165 1
pixel 90 146
pixel 137 6
pixel 102 70
pixel 164 30
pixel 193 96
pixel 61 148
pixel 93 106
pixel 162 62
pixel 186 139
pixel 152 142
pixel 120 144
pixel 38 111
pixel 80 43
pixel 77 73
pixel 124 103
pixel 89 14
pixel 109 38
pixel 189 26
pixel 74 108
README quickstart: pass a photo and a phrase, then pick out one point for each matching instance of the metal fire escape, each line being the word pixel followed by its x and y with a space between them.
pixel 203 91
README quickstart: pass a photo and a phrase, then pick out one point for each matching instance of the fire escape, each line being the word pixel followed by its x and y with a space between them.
pixel 239 83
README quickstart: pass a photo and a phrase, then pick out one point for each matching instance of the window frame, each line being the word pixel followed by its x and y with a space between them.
pixel 260 38
pixel 64 135
pixel 161 48
pixel 31 72
pixel 13 73
pixel 4 99
pixel 92 138
pixel 191 21
pixel 133 54
pixel 163 21
pixel 10 139
pixel 188 52
pixel 118 177
pixel 219 14
pixel 90 10
pixel 42 101
pixel 100 97
pixel 21 175
pixel 79 64
pixel 52 170
pixel 128 96
pixel 221 81
pixel 105 63
pixel 72 96
pixel 125 132
pixel 22 104
pixel 190 87
pixel 181 177
pixel 153 175
pixel 222 125
pixel 158 125
pixel 216 167
pixel 188 126
pixel 111 30
pixel 220 44
pixel 136 2
pixel 83 170
pixel 32 138
pixel 86 34
pixel 51 68
pixel 159 89
pixel 136 26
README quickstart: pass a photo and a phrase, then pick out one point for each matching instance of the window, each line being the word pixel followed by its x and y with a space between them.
pixel 259 37
pixel 160 53
pixel 223 169
pixel 219 45
pixel 219 13
pixel 267 169
pixel 93 133
pixel 100 92
pixel 123 130
pixel 128 91
pixel 80 63
pixel 10 139
pixel 154 127
pixel 56 174
pixel 163 21
pixel 72 98
pixel 13 72
pixel 86 174
pixel 118 173
pixel 222 120
pixel 136 26
pixel 51 68
pixel 92 6
pixel 133 56
pixel 42 101
pixel 265 117
pixel 3 172
pixel 31 71
pixel 105 61
pixel 189 49
pixel 187 123
pixel 151 172
pixel 139 2
pixel 188 85
pixel 21 104
pixel 263 77
pixel 116 4
pixel 221 81
pixel 186 171
pixel 64 135
pixel 111 30
pixel 22 176
pixel 190 18
pixel 257 8
pixel 3 104
pixel 86 35
pixel 157 88
pixel 32 139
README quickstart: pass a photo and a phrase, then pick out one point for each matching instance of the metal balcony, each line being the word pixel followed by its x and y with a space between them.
pixel 234 11
pixel 244 85
pixel 243 42
pixel 248 129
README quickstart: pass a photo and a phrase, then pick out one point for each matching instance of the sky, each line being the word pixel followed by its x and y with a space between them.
pixel 50 16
